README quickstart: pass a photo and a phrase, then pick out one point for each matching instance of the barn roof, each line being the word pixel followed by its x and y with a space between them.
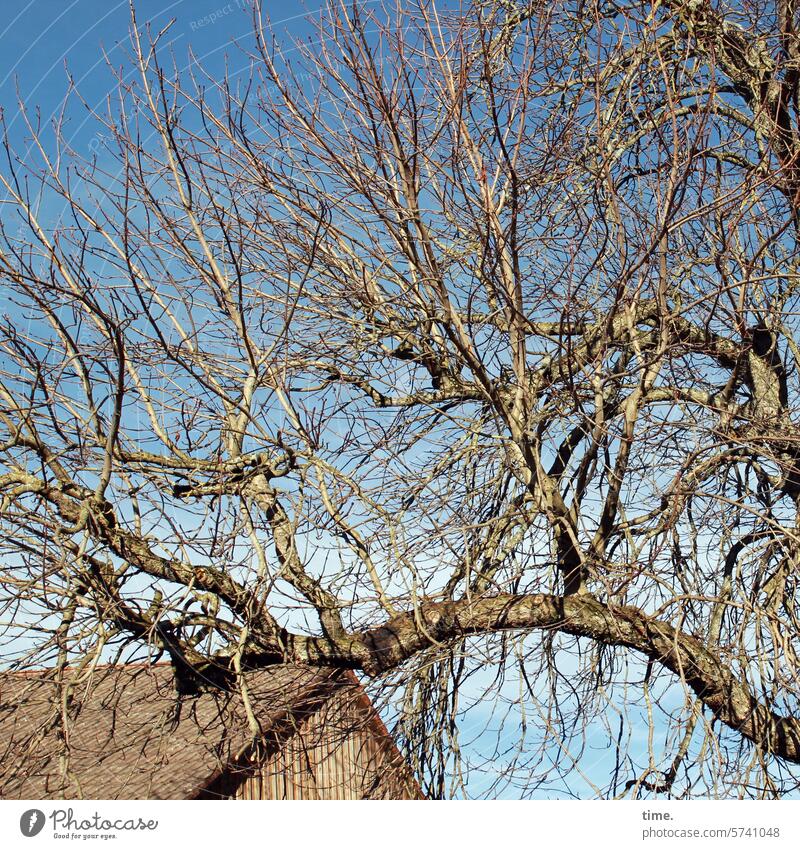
pixel 130 736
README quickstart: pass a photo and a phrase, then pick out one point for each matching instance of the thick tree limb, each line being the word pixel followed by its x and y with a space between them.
pixel 727 696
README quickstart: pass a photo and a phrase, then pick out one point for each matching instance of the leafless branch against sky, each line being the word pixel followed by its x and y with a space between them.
pixel 458 347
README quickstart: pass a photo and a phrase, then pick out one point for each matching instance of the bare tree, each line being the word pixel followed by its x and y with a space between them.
pixel 458 348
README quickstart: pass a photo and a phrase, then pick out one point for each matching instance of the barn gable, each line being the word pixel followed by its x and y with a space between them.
pixel 129 736
pixel 338 748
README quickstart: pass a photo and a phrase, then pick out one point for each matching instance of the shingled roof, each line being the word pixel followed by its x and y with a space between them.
pixel 129 734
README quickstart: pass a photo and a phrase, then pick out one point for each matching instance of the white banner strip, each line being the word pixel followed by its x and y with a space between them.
pixel 398 825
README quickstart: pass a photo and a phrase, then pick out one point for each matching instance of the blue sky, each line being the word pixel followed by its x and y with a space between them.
pixel 42 41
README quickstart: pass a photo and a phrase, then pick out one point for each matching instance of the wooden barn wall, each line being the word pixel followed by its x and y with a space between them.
pixel 340 751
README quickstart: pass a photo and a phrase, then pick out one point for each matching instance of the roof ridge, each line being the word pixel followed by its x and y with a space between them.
pixel 160 664
pixel 44 669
